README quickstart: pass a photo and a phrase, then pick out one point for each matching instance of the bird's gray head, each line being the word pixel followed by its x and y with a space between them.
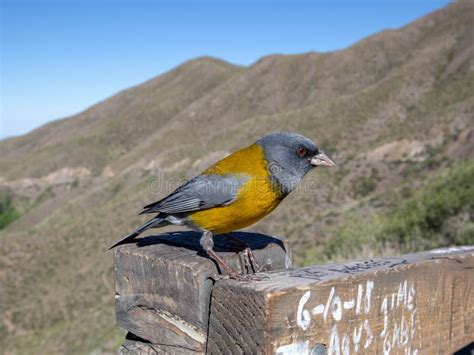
pixel 290 156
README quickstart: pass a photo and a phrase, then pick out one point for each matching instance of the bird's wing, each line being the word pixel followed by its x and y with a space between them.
pixel 202 192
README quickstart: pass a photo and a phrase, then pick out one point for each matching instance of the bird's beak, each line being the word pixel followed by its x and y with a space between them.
pixel 322 159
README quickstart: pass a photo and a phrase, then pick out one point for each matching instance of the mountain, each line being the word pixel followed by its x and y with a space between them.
pixel 395 111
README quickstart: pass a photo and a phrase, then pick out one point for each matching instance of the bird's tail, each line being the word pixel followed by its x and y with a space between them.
pixel 154 222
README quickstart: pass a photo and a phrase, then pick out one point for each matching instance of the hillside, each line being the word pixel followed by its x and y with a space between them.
pixel 396 111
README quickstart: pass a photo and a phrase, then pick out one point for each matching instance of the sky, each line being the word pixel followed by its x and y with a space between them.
pixel 60 57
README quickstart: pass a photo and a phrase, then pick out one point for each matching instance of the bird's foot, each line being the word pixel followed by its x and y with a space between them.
pixel 207 244
pixel 250 261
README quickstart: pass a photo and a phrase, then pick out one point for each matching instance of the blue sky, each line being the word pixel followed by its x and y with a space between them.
pixel 59 57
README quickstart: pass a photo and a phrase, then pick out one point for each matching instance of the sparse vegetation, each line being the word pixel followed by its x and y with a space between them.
pixel 58 277
pixel 466 234
pixel 364 185
pixel 8 212
pixel 411 224
pixel 434 159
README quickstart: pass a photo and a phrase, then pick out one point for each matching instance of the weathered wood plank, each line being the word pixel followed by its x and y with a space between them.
pixel 418 303
pixel 163 284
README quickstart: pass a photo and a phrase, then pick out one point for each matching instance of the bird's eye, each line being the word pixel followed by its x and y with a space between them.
pixel 301 152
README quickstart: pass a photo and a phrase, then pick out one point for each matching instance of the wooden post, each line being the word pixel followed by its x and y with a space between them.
pixel 163 287
pixel 419 303
pixel 412 304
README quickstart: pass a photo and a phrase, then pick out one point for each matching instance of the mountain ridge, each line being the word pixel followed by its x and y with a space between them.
pixel 279 60
pixel 394 110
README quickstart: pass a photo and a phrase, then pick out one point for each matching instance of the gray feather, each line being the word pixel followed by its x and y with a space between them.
pixel 285 167
pixel 152 223
pixel 202 192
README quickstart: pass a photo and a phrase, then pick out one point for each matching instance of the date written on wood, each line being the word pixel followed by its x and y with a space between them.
pixel 397 306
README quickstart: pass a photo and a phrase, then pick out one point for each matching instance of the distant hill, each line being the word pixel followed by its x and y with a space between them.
pixel 396 111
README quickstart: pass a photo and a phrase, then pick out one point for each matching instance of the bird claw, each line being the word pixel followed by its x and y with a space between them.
pixel 250 265
pixel 250 261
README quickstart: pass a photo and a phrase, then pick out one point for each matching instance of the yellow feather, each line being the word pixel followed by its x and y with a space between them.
pixel 255 199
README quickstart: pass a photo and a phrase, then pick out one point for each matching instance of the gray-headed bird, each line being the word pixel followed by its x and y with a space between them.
pixel 237 191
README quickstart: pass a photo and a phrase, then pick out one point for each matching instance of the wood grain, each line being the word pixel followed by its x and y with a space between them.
pixel 413 304
pixel 163 284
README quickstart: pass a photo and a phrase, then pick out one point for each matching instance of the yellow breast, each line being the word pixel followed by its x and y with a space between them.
pixel 255 199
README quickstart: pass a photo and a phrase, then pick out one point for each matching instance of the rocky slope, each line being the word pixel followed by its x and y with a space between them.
pixel 395 110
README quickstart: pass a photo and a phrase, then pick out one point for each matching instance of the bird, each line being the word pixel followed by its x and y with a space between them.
pixel 236 192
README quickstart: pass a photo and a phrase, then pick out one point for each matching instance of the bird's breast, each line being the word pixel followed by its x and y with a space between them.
pixel 256 198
